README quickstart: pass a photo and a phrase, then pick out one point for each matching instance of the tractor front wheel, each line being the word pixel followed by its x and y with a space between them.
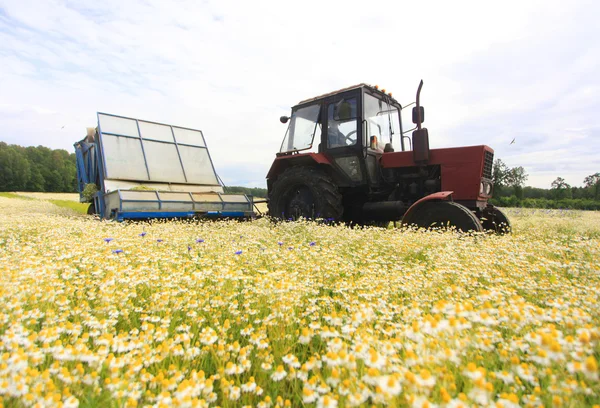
pixel 495 220
pixel 443 214
pixel 305 192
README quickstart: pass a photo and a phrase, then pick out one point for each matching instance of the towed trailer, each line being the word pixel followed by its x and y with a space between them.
pixel 135 169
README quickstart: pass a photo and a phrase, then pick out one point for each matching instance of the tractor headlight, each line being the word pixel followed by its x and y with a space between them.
pixel 488 189
pixel 481 188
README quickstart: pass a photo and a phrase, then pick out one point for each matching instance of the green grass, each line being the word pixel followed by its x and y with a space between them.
pixel 13 195
pixel 73 205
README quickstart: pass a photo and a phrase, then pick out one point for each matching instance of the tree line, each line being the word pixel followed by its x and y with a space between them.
pixel 37 169
pixel 510 190
pixel 41 169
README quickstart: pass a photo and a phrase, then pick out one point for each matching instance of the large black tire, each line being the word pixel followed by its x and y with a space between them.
pixel 91 209
pixel 441 214
pixel 305 192
pixel 494 220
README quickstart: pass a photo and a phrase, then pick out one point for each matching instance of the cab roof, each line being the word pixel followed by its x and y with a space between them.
pixel 361 85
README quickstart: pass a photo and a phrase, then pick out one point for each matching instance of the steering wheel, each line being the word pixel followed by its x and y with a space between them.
pixel 349 139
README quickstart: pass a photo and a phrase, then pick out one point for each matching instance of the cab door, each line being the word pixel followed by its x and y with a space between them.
pixel 342 135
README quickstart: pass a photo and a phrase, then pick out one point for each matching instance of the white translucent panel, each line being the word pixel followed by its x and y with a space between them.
pixel 124 158
pixel 237 207
pixel 155 131
pixel 168 196
pixel 121 126
pixel 188 136
pixel 234 198
pixel 198 167
pixel 208 206
pixel 163 162
pixel 140 206
pixel 139 195
pixel 170 206
pixel 206 197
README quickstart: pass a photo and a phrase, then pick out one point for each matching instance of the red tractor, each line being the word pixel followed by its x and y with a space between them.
pixel 355 175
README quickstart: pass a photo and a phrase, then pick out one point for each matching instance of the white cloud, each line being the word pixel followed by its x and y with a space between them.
pixel 231 68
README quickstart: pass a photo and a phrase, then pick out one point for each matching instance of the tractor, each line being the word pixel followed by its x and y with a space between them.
pixel 338 162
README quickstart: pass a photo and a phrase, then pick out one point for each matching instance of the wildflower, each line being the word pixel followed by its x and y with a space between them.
pixel 107 240
pixel 117 251
pixel 234 393
pixel 199 240
pixel 312 243
pixel 327 401
pixel 238 252
pixel 309 395
pixel 590 368
pixel 279 374
pixel 159 240
pixel 143 234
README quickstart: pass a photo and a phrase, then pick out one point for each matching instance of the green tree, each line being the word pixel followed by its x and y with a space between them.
pixel 516 178
pixel 593 183
pixel 561 189
pixel 14 169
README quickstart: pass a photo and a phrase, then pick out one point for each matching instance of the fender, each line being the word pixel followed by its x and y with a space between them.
pixel 283 162
pixel 441 195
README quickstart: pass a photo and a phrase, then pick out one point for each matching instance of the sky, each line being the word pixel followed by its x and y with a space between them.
pixel 493 71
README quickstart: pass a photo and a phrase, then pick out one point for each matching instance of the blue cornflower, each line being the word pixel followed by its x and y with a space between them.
pixel 143 234
pixel 280 243
pixel 108 239
pixel 312 243
pixel 290 248
pixel 117 251
pixel 189 248
pixel 159 240
pixel 238 252
pixel 199 240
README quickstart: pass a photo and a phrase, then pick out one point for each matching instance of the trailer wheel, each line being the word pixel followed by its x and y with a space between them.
pixel 494 220
pixel 91 209
pixel 440 214
pixel 305 192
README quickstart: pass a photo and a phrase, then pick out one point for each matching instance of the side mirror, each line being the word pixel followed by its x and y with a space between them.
pixel 342 111
pixel 284 119
pixel 415 115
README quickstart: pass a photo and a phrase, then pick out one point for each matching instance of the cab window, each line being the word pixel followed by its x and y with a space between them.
pixel 341 123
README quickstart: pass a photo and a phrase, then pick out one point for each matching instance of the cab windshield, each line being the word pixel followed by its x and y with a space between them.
pixel 301 131
pixel 383 121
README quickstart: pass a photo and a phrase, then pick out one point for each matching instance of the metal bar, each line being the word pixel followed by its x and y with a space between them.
pixel 154 140
pixel 178 153
pixel 155 214
pixel 159 201
pixel 143 151
pixel 102 156
pixel 193 201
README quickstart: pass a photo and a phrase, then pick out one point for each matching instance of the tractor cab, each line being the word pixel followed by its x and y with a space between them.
pixel 352 127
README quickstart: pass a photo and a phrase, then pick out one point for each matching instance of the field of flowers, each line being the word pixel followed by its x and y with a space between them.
pixel 296 314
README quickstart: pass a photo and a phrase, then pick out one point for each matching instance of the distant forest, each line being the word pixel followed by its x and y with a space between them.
pixel 42 169
pixel 37 169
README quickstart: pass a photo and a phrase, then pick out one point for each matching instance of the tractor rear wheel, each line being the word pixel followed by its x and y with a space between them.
pixel 495 220
pixel 440 214
pixel 305 192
